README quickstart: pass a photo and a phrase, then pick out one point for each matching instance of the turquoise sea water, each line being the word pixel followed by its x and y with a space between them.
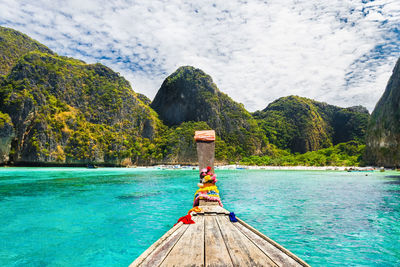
pixel 107 217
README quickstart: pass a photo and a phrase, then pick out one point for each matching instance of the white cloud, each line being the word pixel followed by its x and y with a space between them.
pixel 341 52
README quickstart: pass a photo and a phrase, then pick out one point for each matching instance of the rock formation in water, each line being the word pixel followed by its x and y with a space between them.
pixel 189 94
pixel 383 137
pixel 301 124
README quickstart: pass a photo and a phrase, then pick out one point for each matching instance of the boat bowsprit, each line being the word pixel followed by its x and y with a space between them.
pixel 209 235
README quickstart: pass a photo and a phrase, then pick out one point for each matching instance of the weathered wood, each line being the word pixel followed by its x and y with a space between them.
pixel 148 251
pixel 206 154
pixel 269 240
pixel 196 245
pixel 213 240
pixel 162 251
pixel 205 135
pixel 204 202
pixel 242 251
pixel 189 250
pixel 281 259
pixel 212 209
pixel 215 248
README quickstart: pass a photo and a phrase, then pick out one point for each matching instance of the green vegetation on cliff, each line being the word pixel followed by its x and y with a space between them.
pixel 56 109
pixel 301 124
pixel 294 123
pixel 189 94
pixel 343 154
pixel 4 119
pixel 178 145
pixel 70 112
pixel 6 136
pixel 14 45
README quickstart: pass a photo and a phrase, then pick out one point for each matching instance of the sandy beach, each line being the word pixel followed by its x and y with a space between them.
pixel 294 168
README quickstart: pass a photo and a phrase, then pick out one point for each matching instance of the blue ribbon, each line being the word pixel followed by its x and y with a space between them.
pixel 232 217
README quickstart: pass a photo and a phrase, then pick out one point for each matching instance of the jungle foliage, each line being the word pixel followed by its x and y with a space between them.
pixel 343 154
pixel 301 124
pixel 61 110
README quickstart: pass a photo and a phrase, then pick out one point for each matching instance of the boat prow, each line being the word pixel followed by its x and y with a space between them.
pixel 216 241
pixel 210 238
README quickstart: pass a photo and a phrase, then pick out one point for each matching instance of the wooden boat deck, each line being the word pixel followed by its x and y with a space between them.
pixel 215 241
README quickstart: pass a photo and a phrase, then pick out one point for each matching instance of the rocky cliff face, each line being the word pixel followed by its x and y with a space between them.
pixel 189 94
pixel 13 45
pixel 383 137
pixel 179 145
pixel 6 136
pixel 301 124
pixel 59 110
pixel 347 123
pixel 66 111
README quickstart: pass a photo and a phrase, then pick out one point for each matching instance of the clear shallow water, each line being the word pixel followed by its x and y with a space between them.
pixel 107 217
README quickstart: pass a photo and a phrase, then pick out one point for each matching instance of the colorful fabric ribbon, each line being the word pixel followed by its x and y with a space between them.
pixel 232 217
pixel 187 219
pixel 195 209
pixel 208 190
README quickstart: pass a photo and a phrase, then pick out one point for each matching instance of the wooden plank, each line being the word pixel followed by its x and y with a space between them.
pixel 215 249
pixel 280 258
pixel 206 154
pixel 189 250
pixel 148 251
pixel 204 202
pixel 242 251
pixel 205 135
pixel 281 248
pixel 222 210
pixel 213 209
pixel 163 249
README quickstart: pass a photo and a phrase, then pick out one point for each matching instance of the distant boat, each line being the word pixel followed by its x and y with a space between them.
pixel 242 168
pixel 360 170
pixel 91 166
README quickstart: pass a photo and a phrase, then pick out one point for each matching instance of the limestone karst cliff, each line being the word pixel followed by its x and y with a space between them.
pixel 13 45
pixel 383 136
pixel 60 110
pixel 6 136
pixel 301 124
pixel 66 111
pixel 189 94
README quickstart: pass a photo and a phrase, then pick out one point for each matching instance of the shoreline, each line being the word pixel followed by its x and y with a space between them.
pixel 218 167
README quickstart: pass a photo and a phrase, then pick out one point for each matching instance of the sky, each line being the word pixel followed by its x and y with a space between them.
pixel 338 51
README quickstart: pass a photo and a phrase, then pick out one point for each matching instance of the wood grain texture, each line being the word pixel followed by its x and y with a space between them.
pixel 242 251
pixel 283 250
pixel 212 209
pixel 216 253
pixel 147 252
pixel 205 136
pixel 189 250
pixel 204 202
pixel 162 251
pixel 272 251
pixel 206 154
pixel 214 241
